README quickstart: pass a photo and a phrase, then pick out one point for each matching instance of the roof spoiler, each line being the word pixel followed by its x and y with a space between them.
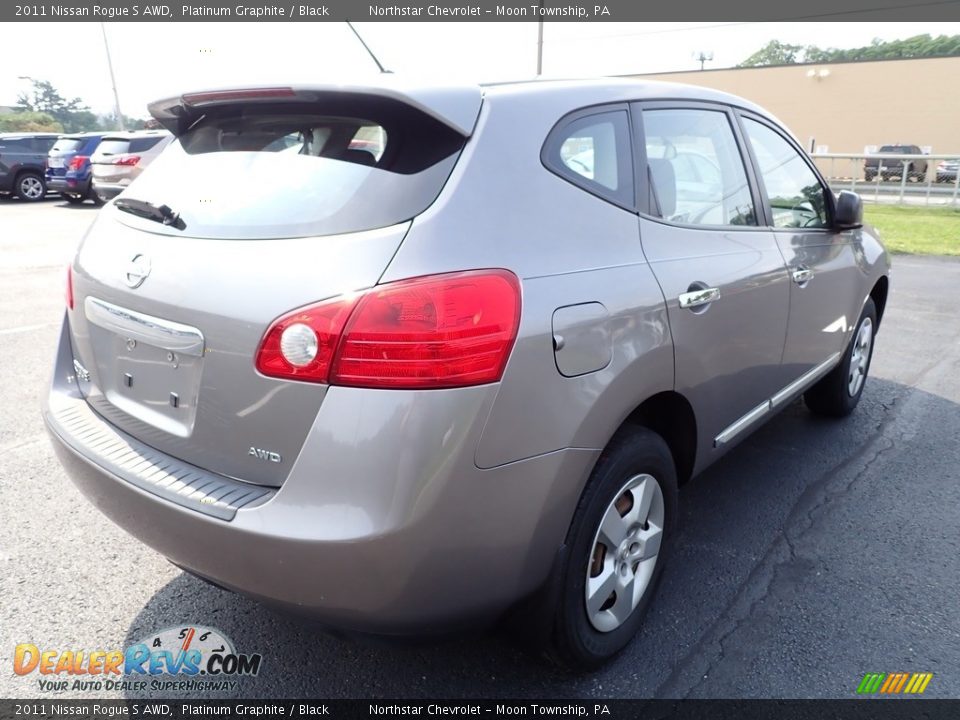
pixel 454 106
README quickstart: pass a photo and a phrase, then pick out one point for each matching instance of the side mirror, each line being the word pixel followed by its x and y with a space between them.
pixel 848 213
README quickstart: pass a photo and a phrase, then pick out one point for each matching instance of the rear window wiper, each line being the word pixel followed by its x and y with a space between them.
pixel 158 213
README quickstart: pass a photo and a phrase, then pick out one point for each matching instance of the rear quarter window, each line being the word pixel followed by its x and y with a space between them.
pixel 592 150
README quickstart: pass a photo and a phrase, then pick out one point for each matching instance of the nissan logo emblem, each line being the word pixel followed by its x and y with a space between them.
pixel 137 271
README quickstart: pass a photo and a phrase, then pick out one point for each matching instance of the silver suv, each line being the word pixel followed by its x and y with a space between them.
pixel 406 356
pixel 120 159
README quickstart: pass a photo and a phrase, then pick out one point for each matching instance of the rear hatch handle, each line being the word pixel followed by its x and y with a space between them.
pixel 154 331
pixel 158 213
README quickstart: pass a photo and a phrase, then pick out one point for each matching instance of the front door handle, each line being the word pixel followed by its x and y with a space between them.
pixel 802 275
pixel 696 298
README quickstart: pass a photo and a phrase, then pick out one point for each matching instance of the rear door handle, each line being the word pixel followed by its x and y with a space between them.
pixel 696 298
pixel 802 275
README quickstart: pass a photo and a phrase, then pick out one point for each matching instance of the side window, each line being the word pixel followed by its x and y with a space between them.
pixel 42 145
pixel 695 168
pixel 593 152
pixel 797 199
pixel 15 146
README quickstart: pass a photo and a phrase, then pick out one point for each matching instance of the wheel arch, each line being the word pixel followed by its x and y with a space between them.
pixel 879 296
pixel 670 415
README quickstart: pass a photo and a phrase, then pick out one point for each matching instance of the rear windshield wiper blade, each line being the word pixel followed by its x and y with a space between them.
pixel 158 213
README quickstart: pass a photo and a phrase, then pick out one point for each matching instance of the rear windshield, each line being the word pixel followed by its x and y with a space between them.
pixel 111 146
pixel 900 149
pixel 319 169
pixel 144 143
pixel 64 145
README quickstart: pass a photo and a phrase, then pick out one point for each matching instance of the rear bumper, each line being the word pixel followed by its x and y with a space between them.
pixel 385 524
pixel 64 184
pixel 109 190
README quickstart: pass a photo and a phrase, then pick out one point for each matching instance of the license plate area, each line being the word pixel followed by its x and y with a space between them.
pixel 147 367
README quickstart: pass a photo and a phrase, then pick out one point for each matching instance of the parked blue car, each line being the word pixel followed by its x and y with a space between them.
pixel 68 167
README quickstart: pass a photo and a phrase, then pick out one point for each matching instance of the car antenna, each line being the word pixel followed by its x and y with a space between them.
pixel 367 48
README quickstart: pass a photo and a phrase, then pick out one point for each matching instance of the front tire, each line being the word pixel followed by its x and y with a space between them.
pixel 30 187
pixel 618 542
pixel 837 394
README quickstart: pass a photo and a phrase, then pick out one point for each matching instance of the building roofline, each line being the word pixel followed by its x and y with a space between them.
pixel 784 65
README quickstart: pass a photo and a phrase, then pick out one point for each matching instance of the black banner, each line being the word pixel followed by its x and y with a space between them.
pixel 479 10
pixel 860 709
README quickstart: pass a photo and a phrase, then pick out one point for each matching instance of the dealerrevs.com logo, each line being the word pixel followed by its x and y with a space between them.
pixel 191 658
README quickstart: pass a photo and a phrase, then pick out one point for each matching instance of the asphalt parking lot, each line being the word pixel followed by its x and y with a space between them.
pixel 814 553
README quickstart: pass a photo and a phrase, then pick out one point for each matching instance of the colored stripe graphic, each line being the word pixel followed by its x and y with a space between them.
pixel 918 683
pixel 888 683
pixel 871 683
pixel 901 682
pixel 894 683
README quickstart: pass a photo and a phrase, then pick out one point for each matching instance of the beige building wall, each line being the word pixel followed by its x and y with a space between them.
pixel 847 106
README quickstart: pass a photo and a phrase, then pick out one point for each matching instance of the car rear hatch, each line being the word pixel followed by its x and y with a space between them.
pixel 60 155
pixel 262 205
pixel 113 160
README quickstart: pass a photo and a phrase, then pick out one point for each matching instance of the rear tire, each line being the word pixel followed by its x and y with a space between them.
pixel 837 394
pixel 94 196
pixel 618 542
pixel 30 187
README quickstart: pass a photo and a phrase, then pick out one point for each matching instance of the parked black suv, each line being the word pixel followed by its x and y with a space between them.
pixel 23 159
pixel 888 167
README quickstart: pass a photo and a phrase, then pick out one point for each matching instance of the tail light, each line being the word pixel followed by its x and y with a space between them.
pixel 69 287
pixel 127 160
pixel 440 331
pixel 77 161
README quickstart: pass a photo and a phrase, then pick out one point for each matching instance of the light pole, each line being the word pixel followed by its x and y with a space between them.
pixel 113 80
pixel 540 40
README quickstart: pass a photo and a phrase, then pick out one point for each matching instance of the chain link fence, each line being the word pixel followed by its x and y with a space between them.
pixel 895 179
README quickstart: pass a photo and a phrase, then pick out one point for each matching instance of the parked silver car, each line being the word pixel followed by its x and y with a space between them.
pixel 122 157
pixel 442 373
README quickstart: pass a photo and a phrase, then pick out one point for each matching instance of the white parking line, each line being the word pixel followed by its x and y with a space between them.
pixel 25 328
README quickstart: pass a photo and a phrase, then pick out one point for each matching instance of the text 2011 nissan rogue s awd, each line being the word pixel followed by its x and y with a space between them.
pixel 402 356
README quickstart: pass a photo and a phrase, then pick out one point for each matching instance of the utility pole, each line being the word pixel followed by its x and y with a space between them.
pixel 113 80
pixel 540 41
pixel 703 57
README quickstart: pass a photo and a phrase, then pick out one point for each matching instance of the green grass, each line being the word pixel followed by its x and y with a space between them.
pixel 916 230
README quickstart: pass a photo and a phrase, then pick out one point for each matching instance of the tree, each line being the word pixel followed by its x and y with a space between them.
pixel 73 115
pixel 109 122
pixel 774 53
pixel 24 121
pixel 918 46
